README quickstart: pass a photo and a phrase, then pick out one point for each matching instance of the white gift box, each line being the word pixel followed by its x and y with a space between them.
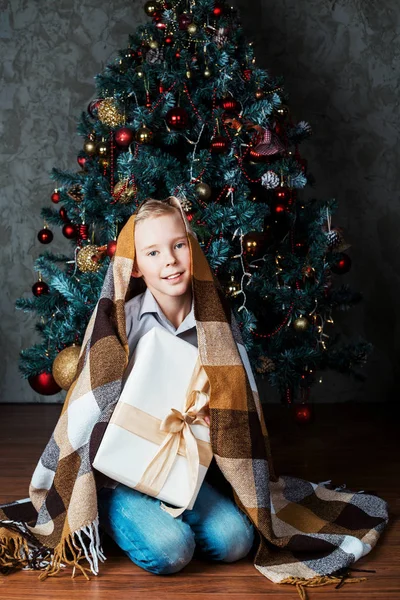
pixel 157 380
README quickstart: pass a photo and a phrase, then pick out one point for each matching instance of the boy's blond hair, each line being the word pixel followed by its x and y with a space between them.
pixel 156 208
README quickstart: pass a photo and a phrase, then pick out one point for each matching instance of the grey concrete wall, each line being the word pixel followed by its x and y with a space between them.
pixel 340 60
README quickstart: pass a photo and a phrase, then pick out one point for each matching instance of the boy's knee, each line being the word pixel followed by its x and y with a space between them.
pixel 232 544
pixel 169 555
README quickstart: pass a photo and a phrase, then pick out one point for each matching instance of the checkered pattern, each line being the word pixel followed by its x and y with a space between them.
pixel 305 529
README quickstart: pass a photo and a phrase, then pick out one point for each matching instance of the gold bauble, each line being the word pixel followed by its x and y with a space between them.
pixel 203 191
pixel 153 44
pixel 140 72
pixel 207 72
pixel 123 193
pixel 192 28
pixel 144 135
pixel 84 259
pixel 189 74
pixel 259 94
pixel 108 114
pixel 102 148
pixel 151 7
pixel 89 147
pixel 282 111
pixel 301 324
pixel 65 365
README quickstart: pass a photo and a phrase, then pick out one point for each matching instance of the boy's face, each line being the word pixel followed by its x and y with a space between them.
pixel 162 249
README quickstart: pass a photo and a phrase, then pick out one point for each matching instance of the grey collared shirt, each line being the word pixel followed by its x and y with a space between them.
pixel 143 312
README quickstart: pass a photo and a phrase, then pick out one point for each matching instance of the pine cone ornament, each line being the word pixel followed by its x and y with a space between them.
pixel 87 259
pixel 334 239
pixel 221 37
pixel 186 204
pixel 123 192
pixel 266 365
pixel 108 113
pixel 154 56
pixel 76 193
pixel 270 180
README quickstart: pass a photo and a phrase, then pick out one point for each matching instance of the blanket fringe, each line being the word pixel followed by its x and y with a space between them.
pixel 70 553
pixel 14 553
pixel 318 581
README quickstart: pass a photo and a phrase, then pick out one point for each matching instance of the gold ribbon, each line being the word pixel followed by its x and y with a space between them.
pixel 178 434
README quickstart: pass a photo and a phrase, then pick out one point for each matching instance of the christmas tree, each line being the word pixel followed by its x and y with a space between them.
pixel 184 110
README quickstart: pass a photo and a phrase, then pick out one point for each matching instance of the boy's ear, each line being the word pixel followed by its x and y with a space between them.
pixel 135 271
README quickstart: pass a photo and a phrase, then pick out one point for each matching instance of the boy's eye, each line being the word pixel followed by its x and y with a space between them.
pixel 152 253
pixel 180 244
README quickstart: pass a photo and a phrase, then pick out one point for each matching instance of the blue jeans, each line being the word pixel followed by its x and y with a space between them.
pixel 157 542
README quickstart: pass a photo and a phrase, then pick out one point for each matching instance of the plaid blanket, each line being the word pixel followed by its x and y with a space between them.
pixel 307 531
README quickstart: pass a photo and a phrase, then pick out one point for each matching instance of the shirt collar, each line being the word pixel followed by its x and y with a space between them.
pixel 150 305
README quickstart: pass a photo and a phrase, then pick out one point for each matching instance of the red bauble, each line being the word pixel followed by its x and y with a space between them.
pixel 45 236
pixel 55 197
pixel 82 160
pixel 111 248
pixel 184 20
pixel 177 118
pixel 177 54
pixel 124 136
pixel 63 214
pixel 218 9
pixel 247 74
pixel 69 231
pixel 220 144
pixel 40 288
pixel 303 413
pixel 169 40
pixel 160 24
pixel 230 105
pixel 93 106
pixel 343 264
pixel 44 383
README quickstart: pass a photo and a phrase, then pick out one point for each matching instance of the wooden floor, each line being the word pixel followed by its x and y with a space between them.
pixel 349 443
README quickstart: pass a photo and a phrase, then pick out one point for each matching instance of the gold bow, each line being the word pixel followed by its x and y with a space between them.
pixel 177 426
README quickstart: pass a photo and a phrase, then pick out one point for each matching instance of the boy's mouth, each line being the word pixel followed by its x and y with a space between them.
pixel 174 276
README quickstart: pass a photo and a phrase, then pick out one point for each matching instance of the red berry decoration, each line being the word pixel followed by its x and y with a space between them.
pixel 279 208
pixel 63 214
pixel 40 288
pixel 82 160
pixel 342 265
pixel 69 231
pixel 230 105
pixel 220 144
pixel 169 40
pixel 218 9
pixel 124 136
pixel 177 118
pixel 184 21
pixel 93 106
pixel 256 156
pixel 45 236
pixel 55 197
pixel 303 413
pixel 111 248
pixel 44 383
pixel 281 193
